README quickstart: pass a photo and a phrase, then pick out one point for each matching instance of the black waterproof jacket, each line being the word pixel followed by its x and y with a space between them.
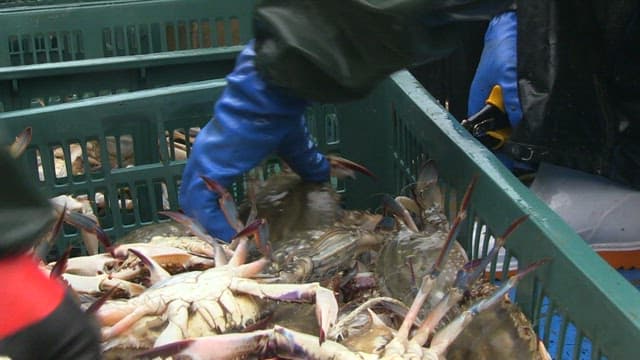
pixel 337 50
pixel 38 318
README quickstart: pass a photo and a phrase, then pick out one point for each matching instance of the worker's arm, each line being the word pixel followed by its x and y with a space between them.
pixel 335 50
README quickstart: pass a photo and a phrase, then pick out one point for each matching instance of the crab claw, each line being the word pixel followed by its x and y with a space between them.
pixel 446 336
pixel 277 343
pixel 326 303
pixel 227 204
pixel 398 210
pixel 341 168
pixel 219 253
pixel 58 225
pixel 193 226
pixel 428 175
pixel 23 140
pixel 475 268
pixel 42 248
pixel 61 265
pixel 157 273
pixel 85 223
pixel 226 346
pixel 260 230
pixel 103 299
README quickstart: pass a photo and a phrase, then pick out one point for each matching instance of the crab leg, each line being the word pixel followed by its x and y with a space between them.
pixel 446 336
pixel 466 277
pixel 227 204
pixel 220 257
pixel 156 272
pixel 429 280
pixel 42 249
pixel 61 265
pixel 128 320
pixel 400 211
pixel 220 347
pixel 251 195
pixel 278 342
pixel 98 303
pixel 90 265
pixel 78 213
pixel 97 284
pixel 260 231
pixel 23 140
pixel 326 304
pixel 341 167
pixel 178 316
pixel 89 228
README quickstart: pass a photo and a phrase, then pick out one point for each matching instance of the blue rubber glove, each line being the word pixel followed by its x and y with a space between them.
pixel 251 121
pixel 498 66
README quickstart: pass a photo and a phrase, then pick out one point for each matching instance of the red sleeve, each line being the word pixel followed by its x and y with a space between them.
pixel 27 295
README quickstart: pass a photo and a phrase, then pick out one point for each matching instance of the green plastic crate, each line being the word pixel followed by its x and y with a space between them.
pixel 26 4
pixel 56 54
pixel 390 131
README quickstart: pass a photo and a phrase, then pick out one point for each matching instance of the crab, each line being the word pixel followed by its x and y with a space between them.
pixel 199 303
pixel 79 213
pixel 408 255
pixel 311 236
pixel 379 341
pixel 119 268
pixel 289 344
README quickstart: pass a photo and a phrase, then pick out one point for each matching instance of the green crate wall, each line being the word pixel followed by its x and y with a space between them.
pixel 56 54
pixel 9 5
pixel 391 131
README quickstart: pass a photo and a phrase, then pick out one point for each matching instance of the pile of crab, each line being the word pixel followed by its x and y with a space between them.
pixel 303 279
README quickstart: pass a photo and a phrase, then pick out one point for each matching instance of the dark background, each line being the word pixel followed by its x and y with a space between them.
pixel 448 79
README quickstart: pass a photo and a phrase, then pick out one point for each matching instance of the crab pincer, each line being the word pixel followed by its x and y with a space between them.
pixel 341 168
pixel 429 280
pixel 259 228
pixel 87 224
pixel 220 257
pixel 156 272
pixel 23 140
pixel 193 226
pixel 278 342
pixel 226 346
pixel 226 202
pixel 465 278
pixel 326 304
pixel 446 336
pixel 396 208
pixel 61 265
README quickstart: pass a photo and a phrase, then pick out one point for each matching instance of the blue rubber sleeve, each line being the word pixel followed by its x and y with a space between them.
pixel 251 120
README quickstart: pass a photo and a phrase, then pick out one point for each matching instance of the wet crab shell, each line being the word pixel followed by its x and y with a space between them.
pixel 407 256
pixel 503 332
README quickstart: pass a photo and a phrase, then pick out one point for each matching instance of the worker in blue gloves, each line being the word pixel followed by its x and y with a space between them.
pixel 330 50
pixel 252 120
pixel 556 95
pixel 569 75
